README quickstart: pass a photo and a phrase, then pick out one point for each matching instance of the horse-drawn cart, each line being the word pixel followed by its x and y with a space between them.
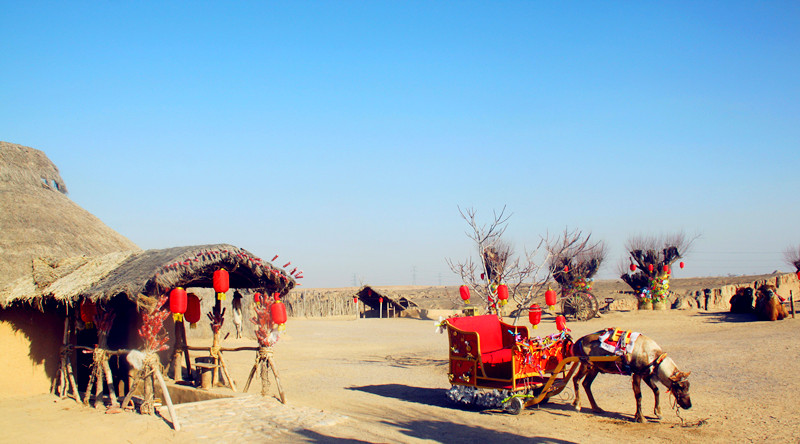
pixel 495 364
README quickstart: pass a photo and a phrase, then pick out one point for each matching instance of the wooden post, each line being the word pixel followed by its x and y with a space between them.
pixel 791 302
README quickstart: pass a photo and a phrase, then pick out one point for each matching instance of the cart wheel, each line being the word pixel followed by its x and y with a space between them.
pixel 515 406
pixel 580 306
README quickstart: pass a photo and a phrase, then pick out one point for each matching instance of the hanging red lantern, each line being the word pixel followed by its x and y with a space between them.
pixel 380 300
pixel 278 312
pixel 177 303
pixel 566 269
pixel 535 315
pixel 88 310
pixel 483 276
pixel 355 300
pixel 502 294
pixel 632 267
pixel 192 310
pixel 561 323
pixel 798 274
pixel 464 291
pixel 665 268
pixel 650 268
pixel 550 298
pixel 257 298
pixel 221 283
pixel 681 264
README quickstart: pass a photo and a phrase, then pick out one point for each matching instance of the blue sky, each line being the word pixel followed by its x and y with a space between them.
pixel 345 135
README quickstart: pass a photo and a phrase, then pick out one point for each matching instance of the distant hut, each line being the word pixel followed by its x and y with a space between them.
pixel 56 255
pixel 381 303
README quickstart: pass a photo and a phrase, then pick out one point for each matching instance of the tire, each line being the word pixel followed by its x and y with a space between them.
pixel 514 406
pixel 580 306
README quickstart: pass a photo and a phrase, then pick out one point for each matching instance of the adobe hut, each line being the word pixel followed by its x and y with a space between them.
pixel 39 226
pixel 380 303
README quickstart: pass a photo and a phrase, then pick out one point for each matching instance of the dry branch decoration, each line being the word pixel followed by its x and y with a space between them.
pixel 265 330
pixel 152 330
pixel 792 256
pixel 146 362
pixel 267 337
pixel 100 370
pixel 574 259
pixel 498 263
pixel 652 257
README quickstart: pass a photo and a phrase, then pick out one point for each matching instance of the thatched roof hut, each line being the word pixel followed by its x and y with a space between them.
pixel 38 220
pixel 53 253
pixel 394 305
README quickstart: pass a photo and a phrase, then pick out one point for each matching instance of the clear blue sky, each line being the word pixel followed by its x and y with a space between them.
pixel 344 135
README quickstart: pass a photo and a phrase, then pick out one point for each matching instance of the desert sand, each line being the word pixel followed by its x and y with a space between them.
pixel 385 379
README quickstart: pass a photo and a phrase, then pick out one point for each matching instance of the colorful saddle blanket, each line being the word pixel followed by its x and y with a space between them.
pixel 619 342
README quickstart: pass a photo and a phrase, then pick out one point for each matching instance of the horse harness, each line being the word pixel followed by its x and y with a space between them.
pixel 652 367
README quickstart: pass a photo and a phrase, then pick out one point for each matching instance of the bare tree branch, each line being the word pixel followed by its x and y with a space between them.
pixel 498 263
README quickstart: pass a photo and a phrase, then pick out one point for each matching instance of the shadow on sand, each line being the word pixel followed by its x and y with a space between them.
pixel 436 397
pixel 444 432
pixel 724 316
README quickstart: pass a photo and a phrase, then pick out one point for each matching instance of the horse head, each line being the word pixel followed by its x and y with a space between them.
pixel 679 387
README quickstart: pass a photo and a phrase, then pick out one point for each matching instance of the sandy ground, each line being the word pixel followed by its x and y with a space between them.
pixel 389 377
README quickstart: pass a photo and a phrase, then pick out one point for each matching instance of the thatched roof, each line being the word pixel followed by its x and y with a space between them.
pixel 148 272
pixel 38 220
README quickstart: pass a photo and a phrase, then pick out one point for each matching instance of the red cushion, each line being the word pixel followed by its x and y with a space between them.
pixel 488 329
pixel 497 356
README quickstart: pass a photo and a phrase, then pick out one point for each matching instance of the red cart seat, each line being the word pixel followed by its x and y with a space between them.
pixel 495 339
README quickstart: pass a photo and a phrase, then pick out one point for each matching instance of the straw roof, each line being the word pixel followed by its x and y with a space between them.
pixel 148 272
pixel 38 220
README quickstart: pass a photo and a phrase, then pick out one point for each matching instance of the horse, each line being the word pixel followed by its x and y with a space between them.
pixel 645 362
pixel 768 304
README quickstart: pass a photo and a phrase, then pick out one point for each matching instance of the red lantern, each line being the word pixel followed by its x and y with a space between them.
pixel 464 291
pixel 221 283
pixel 257 298
pixel 88 310
pixel 665 268
pixel 355 300
pixel 566 269
pixel 192 310
pixel 798 274
pixel 550 298
pixel 278 312
pixel 502 292
pixel 535 315
pixel 177 303
pixel 380 300
pixel 650 268
pixel 561 323
pixel 632 267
